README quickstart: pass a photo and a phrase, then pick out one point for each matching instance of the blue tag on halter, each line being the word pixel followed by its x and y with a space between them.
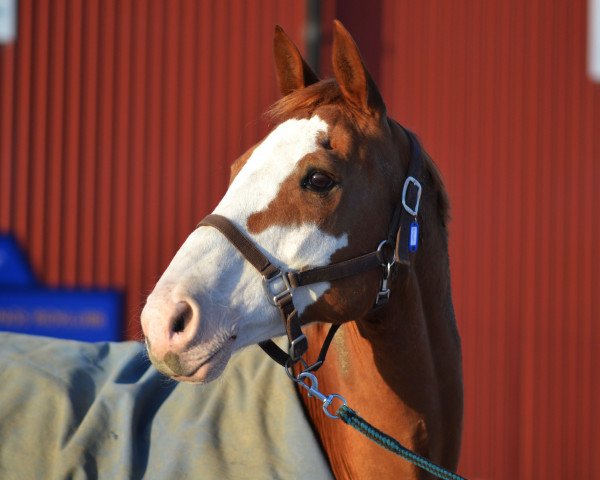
pixel 413 239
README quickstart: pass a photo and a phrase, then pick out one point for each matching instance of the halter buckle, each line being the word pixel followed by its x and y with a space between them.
pixel 383 295
pixel 277 287
pixel 298 347
pixel 414 210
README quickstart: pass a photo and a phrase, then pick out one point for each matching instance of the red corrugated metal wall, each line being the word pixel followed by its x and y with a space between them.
pixel 119 119
pixel 498 93
pixel 118 122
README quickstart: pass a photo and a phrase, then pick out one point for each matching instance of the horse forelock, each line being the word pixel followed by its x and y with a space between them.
pixel 304 102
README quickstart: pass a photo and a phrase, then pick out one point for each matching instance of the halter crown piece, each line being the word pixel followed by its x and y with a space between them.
pixel 279 284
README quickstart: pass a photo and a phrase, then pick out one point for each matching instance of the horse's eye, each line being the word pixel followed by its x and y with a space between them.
pixel 318 182
pixel 326 144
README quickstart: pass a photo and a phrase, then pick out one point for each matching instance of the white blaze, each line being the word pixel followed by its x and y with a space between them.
pixel 210 270
pixel 258 183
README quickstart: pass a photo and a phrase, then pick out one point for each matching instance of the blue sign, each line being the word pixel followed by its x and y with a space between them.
pixel 75 314
pixel 87 315
pixel 14 267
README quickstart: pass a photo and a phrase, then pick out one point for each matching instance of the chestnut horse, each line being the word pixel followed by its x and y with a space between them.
pixel 320 189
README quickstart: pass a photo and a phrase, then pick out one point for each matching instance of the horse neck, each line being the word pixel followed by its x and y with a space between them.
pixel 400 368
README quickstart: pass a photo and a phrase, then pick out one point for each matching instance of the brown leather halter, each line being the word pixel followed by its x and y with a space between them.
pixel 280 284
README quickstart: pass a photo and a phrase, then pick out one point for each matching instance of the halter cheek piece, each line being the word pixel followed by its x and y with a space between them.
pixel 279 284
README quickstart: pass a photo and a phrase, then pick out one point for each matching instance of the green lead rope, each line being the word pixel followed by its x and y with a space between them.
pixel 351 418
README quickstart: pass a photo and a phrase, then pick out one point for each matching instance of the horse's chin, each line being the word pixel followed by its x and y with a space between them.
pixel 191 370
pixel 207 372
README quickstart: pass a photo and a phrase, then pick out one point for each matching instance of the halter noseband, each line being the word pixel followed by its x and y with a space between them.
pixel 279 284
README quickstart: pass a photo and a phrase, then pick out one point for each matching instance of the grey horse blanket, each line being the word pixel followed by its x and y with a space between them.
pixel 72 410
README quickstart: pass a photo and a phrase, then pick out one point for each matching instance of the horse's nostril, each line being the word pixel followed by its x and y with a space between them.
pixel 179 324
pixel 181 317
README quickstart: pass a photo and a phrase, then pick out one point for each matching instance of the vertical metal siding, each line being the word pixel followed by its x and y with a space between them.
pixel 118 122
pixel 498 92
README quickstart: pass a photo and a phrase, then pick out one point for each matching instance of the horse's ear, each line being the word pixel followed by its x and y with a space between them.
pixel 351 74
pixel 293 72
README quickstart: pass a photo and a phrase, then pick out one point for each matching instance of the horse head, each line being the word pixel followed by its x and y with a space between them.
pixel 320 188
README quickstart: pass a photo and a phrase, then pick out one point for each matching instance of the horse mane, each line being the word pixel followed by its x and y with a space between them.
pixel 303 102
pixel 439 190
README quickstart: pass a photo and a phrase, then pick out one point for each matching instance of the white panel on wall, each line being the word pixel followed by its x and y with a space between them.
pixel 594 40
pixel 8 21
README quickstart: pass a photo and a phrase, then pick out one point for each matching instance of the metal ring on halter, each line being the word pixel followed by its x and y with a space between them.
pixel 305 368
pixel 289 366
pixel 383 295
pixel 387 263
